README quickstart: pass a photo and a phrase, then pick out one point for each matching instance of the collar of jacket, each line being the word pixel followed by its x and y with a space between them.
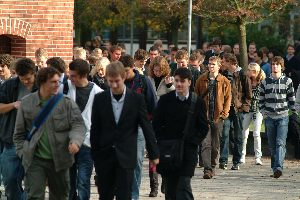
pixel 37 101
pixel 206 75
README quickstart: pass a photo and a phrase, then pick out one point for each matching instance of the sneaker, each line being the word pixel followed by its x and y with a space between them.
pixel 223 166
pixel 243 159
pixel 258 161
pixel 235 167
pixel 277 174
pixel 207 174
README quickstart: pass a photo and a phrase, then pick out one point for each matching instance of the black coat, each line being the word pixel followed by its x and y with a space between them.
pixel 293 68
pixel 169 122
pixel 120 140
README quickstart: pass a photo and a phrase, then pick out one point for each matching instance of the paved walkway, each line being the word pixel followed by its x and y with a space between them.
pixel 251 182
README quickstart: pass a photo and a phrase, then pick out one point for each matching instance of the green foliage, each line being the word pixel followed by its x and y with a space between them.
pixel 265 38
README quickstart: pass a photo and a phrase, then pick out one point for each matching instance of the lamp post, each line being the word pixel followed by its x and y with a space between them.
pixel 189 26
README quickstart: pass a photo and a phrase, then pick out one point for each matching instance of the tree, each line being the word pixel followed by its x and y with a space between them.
pixel 240 13
pixel 167 16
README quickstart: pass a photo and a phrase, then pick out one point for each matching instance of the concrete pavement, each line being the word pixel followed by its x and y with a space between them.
pixel 251 182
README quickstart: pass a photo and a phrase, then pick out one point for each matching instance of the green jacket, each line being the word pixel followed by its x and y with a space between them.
pixel 64 125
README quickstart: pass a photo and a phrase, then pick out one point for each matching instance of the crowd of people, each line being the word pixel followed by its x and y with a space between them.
pixel 58 122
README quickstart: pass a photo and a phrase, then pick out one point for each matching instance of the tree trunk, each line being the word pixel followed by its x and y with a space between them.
pixel 143 36
pixel 113 37
pixel 243 44
pixel 77 40
pixel 174 35
pixel 199 24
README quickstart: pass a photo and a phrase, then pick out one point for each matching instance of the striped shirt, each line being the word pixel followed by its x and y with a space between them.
pixel 276 97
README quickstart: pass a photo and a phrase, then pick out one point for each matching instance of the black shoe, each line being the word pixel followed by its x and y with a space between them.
pixel 207 174
pixel 235 167
pixel 223 166
pixel 162 187
pixel 277 174
pixel 153 193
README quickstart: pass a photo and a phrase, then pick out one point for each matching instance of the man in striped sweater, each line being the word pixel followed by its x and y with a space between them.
pixel 276 98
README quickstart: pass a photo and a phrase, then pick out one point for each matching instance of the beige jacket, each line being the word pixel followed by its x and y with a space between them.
pixel 162 88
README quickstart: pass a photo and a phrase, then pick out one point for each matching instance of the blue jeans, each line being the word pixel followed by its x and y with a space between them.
pixel 236 136
pixel 277 132
pixel 12 173
pixel 80 174
pixel 1 151
pixel 137 177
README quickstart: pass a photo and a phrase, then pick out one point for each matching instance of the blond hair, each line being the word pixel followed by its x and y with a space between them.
pixel 79 53
pixel 260 74
pixel 101 63
pixel 97 51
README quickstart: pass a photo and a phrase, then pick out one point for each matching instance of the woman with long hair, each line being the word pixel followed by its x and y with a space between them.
pixel 162 82
pixel 256 75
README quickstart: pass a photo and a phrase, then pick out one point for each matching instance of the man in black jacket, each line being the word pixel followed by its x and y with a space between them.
pixel 169 122
pixel 116 115
pixel 11 92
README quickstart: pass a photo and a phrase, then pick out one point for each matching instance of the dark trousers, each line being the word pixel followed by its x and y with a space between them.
pixel 113 180
pixel 211 145
pixel 37 175
pixel 178 187
pixel 235 119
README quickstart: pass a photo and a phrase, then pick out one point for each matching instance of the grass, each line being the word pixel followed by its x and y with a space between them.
pixel 262 130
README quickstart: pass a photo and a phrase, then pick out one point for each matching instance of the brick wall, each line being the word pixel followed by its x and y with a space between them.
pixel 31 24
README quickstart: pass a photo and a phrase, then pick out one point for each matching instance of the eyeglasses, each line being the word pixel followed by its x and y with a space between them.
pixel 56 82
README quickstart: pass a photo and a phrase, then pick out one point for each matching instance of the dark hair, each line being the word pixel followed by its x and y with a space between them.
pixel 252 43
pixel 103 48
pixel 290 45
pixel 81 66
pixel 44 74
pixel 231 58
pixel 6 59
pixel 279 60
pixel 174 49
pixel 57 63
pixel 216 41
pixel 25 66
pixel 127 61
pixel 183 73
pixel 259 54
pixel 154 48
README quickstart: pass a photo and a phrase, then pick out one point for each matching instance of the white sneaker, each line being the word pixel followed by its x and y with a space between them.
pixel 258 161
pixel 243 159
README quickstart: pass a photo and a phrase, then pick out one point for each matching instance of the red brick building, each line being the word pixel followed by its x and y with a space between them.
pixel 26 25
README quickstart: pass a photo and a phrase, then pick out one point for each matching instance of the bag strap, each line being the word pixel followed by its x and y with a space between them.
pixel 190 115
pixel 40 119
